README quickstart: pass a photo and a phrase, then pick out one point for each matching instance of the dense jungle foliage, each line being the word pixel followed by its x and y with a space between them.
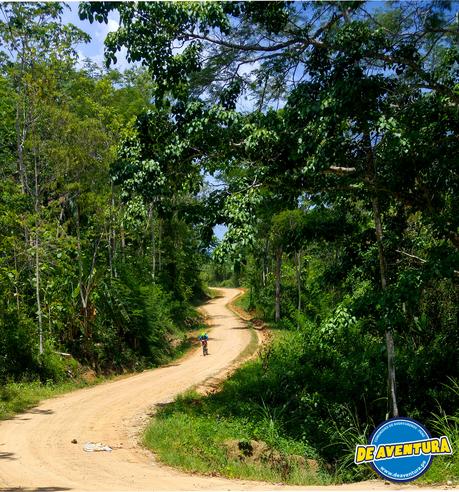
pixel 81 273
pixel 324 135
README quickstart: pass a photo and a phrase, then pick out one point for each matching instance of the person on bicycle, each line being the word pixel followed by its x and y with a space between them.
pixel 203 338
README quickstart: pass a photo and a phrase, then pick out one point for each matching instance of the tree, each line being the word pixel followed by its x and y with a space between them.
pixel 349 75
pixel 33 36
pixel 276 40
pixel 67 250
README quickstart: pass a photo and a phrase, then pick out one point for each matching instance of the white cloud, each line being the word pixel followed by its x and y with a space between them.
pixel 103 29
pixel 100 35
pixel 98 59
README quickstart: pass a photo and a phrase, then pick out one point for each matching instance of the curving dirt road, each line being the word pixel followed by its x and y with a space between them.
pixel 36 452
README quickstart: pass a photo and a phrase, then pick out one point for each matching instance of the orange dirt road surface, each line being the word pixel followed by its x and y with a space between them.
pixel 36 449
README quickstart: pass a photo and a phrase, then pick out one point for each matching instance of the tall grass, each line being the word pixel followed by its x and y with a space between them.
pixel 346 439
pixel 445 468
pixel 194 435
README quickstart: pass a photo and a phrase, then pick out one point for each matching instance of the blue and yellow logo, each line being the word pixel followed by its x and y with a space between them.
pixel 401 449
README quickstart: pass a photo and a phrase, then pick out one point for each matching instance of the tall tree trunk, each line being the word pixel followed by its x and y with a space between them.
pixel 21 133
pixel 110 252
pixel 391 371
pixel 20 152
pixel 278 283
pixel 37 292
pixel 21 127
pixel 390 346
pixel 263 269
pixel 110 235
pixel 265 263
pixel 123 241
pixel 37 258
pixel 86 284
pixel 298 282
pixel 153 242
pixel 16 291
pixel 113 231
pixel 159 244
pixel 80 267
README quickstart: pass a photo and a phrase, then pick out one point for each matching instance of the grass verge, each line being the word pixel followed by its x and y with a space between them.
pixel 243 301
pixel 204 435
pixel 445 468
pixel 259 426
pixel 251 347
pixel 16 397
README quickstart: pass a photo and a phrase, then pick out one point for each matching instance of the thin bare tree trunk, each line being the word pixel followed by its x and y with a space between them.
pixel 159 244
pixel 391 371
pixel 80 260
pixel 16 291
pixel 390 346
pixel 298 281
pixel 113 231
pixel 80 267
pixel 109 246
pixel 265 263
pixel 153 242
pixel 278 283
pixel 21 132
pixel 389 336
pixel 37 259
pixel 123 241
pixel 20 152
pixel 85 286
pixel 37 292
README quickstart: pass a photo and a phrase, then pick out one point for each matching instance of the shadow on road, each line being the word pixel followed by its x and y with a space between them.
pixel 40 412
pixel 33 411
pixel 7 456
pixel 33 489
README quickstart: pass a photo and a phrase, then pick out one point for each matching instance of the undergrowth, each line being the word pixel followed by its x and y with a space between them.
pixel 199 434
pixel 243 301
pixel 19 396
pixel 300 413
pixel 445 468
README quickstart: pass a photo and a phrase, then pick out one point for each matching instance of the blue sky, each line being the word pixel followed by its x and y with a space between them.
pixel 95 48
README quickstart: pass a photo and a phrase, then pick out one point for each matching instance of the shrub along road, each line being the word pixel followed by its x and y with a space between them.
pixel 36 448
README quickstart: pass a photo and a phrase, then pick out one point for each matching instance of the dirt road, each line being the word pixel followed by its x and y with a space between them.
pixel 36 449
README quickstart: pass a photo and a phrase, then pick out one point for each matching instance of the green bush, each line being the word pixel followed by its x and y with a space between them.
pixel 17 347
pixel 52 366
pixel 207 435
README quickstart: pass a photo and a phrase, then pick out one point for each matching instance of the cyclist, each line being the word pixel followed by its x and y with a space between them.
pixel 203 338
